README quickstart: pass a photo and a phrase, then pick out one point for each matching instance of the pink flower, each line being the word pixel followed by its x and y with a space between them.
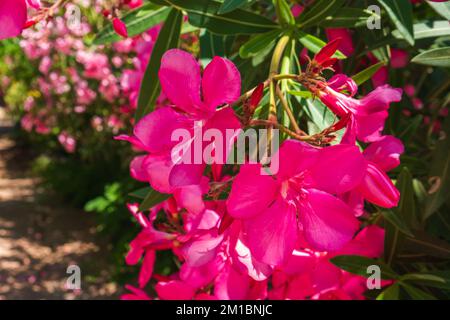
pixel 195 100
pixel 13 15
pixel 136 294
pixel 399 58
pixel 36 4
pixel 367 115
pixel 299 197
pixel 67 141
pixel 346 42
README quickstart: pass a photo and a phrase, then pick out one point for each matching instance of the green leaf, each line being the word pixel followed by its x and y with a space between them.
pixel 137 21
pixel 203 14
pixel 153 198
pixel 168 38
pixel 401 14
pixel 359 264
pixel 416 293
pixel 397 222
pixel 284 13
pixel 439 57
pixel 348 18
pixel 212 45
pixel 429 29
pixel 140 193
pixel 367 74
pixel 390 293
pixel 405 212
pixel 319 115
pixel 231 5
pixel 259 43
pixel 317 12
pixel 442 8
pixel 424 245
pixel 301 94
pixel 429 280
pixel 314 44
pixel 440 167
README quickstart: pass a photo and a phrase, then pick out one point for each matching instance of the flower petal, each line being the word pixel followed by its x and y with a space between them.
pixel 180 79
pixel 271 236
pixel 13 15
pixel 221 83
pixel 385 153
pixel 338 169
pixel 251 192
pixel 328 223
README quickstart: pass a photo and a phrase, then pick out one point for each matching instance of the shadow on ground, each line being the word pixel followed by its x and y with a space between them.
pixel 40 239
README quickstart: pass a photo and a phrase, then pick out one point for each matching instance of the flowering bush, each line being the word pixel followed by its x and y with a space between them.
pixel 279 165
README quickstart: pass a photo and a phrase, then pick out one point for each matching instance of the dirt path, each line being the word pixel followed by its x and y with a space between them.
pixel 38 241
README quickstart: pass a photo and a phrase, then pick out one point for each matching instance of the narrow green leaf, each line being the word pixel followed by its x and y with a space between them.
pixel 416 293
pixel 231 5
pixel 429 280
pixel 259 43
pixel 439 57
pixel 359 264
pixel 153 198
pixel 429 29
pixel 137 21
pixel 401 14
pixel 397 222
pixel 348 18
pixel 425 245
pixel 367 74
pixel 284 13
pixel 442 8
pixel 390 293
pixel 317 12
pixel 168 38
pixel 301 94
pixel 204 14
pixel 314 44
pixel 140 193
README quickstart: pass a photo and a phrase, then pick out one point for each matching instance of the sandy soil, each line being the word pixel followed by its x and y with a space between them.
pixel 40 239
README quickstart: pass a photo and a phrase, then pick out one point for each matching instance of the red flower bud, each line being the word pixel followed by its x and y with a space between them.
pixel 327 52
pixel 226 221
pixel 257 95
pixel 120 27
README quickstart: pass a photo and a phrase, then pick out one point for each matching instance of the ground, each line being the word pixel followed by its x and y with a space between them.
pixel 40 239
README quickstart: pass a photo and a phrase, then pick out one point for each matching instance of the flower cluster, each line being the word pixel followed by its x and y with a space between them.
pixel 240 233
pixel 79 85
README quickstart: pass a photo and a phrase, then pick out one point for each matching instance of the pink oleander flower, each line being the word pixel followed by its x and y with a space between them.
pixel 274 209
pixel 346 42
pixel 136 294
pixel 195 99
pixel 13 16
pixel 367 115
pixel 67 141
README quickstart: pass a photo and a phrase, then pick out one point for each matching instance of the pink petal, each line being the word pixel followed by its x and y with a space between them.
pixel 13 15
pixel 120 28
pixel 271 236
pixel 158 169
pixel 221 83
pixel 245 262
pixel 369 243
pixel 303 156
pixel 174 290
pixel 369 127
pixel 180 79
pixel 385 153
pixel 378 188
pixel 202 249
pixel 147 268
pixel 231 284
pixel 328 223
pixel 183 174
pixel 137 171
pixel 155 129
pixel 338 169
pixel 251 192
